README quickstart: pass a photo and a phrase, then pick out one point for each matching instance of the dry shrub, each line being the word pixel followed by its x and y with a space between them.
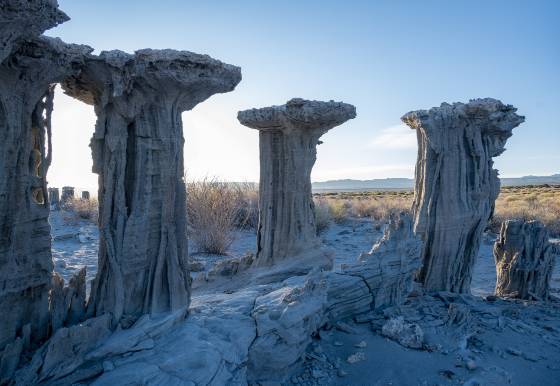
pixel 529 203
pixel 380 207
pixel 214 209
pixel 82 209
pixel 248 204
pixel 339 210
pixel 376 205
pixel 322 215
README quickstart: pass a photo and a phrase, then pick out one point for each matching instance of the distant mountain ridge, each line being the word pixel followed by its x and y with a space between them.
pixel 408 183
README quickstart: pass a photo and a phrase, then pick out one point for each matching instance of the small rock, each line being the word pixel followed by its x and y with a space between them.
pixel 345 327
pixel 317 373
pixel 108 366
pixel 196 266
pixel 357 357
pixel 514 352
pixel 471 365
pixel 447 374
pixel 341 373
pixel 338 344
pixel 362 344
pixel 530 357
pixel 406 334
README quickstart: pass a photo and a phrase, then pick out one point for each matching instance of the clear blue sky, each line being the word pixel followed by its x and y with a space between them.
pixel 385 57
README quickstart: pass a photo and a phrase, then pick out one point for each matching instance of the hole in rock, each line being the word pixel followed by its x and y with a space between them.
pixel 74 230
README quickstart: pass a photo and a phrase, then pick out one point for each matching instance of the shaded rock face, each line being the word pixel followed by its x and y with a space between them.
pixel 524 260
pixel 381 278
pixel 21 20
pixel 456 186
pixel 138 153
pixel 30 64
pixel 288 137
pixel 285 321
pixel 68 304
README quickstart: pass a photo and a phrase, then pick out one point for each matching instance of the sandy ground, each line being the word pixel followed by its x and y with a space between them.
pixel 497 342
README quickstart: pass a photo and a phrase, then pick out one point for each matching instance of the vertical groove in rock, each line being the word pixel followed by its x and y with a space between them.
pixel 524 260
pixel 288 138
pixel 456 186
pixel 138 153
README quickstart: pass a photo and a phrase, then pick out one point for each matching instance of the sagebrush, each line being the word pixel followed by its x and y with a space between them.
pixel 215 209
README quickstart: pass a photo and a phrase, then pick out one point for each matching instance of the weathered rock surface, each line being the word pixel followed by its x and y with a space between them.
pixel 456 186
pixel 64 353
pixel 258 333
pixel 138 153
pixel 22 20
pixel 288 137
pixel 285 320
pixel 381 278
pixel 407 334
pixel 524 260
pixel 30 65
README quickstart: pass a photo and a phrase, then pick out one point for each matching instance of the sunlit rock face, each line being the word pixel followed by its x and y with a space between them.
pixel 524 260
pixel 138 153
pixel 288 137
pixel 29 65
pixel 456 186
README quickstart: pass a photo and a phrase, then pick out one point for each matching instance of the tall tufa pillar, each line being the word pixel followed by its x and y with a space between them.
pixel 456 186
pixel 68 193
pixel 138 154
pixel 54 198
pixel 288 137
pixel 30 65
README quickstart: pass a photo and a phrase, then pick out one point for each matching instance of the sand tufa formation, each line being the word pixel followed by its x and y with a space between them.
pixel 456 186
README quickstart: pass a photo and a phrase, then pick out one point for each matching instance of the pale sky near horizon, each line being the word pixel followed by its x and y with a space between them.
pixel 385 57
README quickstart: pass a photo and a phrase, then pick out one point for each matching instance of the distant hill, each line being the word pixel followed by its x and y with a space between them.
pixel 408 183
pixel 532 180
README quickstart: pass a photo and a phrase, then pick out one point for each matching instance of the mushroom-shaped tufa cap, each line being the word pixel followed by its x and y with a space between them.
pixel 22 20
pixel 188 78
pixel 491 114
pixel 298 113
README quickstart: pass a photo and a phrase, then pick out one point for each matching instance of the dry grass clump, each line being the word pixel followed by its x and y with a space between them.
pixel 381 208
pixel 83 209
pixel 525 203
pixel 529 203
pixel 339 207
pixel 248 202
pixel 215 209
pixel 323 216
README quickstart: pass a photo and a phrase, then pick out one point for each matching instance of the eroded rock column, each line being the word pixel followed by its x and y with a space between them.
pixel 524 260
pixel 456 186
pixel 29 66
pixel 288 137
pixel 138 153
